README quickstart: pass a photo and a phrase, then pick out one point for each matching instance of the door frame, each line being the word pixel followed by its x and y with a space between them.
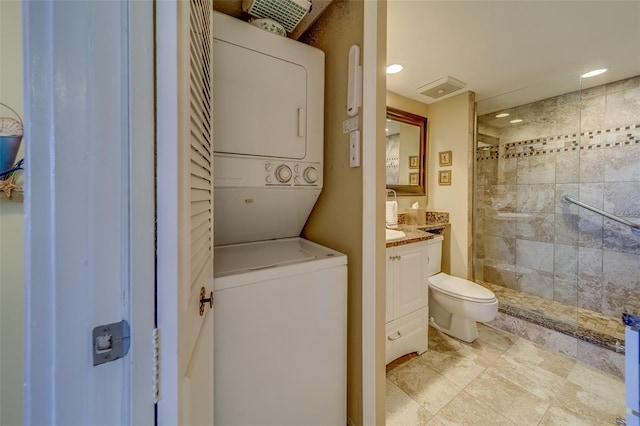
pixel 49 148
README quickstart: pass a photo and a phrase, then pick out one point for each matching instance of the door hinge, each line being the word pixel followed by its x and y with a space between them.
pixel 155 335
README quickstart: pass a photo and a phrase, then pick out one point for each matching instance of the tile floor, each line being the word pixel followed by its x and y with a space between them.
pixel 500 379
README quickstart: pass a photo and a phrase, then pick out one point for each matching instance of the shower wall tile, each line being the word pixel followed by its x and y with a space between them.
pixel 622 198
pixel 591 166
pixel 478 269
pixel 565 207
pixel 490 172
pixel 590 231
pixel 619 237
pixel 536 169
pixel 536 198
pixel 501 197
pixel 536 227
pixel 568 167
pixel 602 359
pixel 584 143
pixel 590 292
pixel 499 224
pixel 593 92
pixel 541 335
pixel 532 281
pixel 592 194
pixel 566 229
pixel 500 249
pixel 534 255
pixel 500 273
pixel 622 164
pixel 617 86
pixel 590 262
pixel 623 107
pixel 613 299
pixel 566 261
pixel 507 170
pixel 568 113
pixel 565 290
pixel 621 269
pixel 479 201
pixel 592 115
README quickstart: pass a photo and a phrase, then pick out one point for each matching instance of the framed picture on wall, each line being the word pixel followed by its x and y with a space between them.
pixel 413 178
pixel 444 158
pixel 413 161
pixel 444 177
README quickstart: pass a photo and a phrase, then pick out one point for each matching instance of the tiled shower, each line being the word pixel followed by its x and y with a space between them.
pixel 550 262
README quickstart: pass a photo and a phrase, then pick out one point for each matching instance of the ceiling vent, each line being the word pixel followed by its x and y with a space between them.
pixel 289 13
pixel 441 87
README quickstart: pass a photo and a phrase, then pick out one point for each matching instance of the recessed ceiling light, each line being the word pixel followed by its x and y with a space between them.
pixel 394 68
pixel 516 120
pixel 594 73
pixel 502 115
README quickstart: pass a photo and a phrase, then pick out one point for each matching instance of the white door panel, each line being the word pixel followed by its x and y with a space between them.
pixel 185 211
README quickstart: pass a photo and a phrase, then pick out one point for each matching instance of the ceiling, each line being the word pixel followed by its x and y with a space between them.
pixel 497 47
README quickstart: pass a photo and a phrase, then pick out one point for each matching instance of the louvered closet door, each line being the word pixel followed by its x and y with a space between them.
pixel 195 356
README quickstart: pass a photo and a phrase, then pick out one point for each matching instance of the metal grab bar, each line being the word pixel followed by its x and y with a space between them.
pixel 635 227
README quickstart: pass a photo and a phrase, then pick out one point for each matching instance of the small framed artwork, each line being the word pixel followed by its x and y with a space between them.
pixel 413 178
pixel 444 158
pixel 444 177
pixel 413 161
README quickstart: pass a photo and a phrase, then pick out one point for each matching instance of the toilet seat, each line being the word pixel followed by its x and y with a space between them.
pixel 461 288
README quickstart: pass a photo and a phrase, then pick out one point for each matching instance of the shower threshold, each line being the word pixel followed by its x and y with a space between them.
pixel 595 328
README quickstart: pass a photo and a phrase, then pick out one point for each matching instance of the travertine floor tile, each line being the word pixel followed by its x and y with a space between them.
pixel 526 352
pixel 401 410
pixel 597 383
pixel 508 399
pixel 535 380
pixel 464 409
pixel 426 386
pixel 587 406
pixel 499 379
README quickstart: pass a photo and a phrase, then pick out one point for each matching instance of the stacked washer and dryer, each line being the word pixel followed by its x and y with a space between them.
pixel 280 301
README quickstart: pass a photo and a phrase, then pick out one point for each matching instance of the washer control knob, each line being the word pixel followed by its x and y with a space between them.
pixel 269 179
pixel 297 180
pixel 310 174
pixel 296 168
pixel 267 166
pixel 283 173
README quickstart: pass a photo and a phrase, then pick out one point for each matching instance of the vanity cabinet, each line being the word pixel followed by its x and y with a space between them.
pixel 407 295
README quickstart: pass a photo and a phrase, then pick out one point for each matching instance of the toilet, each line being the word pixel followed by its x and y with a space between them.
pixel 456 304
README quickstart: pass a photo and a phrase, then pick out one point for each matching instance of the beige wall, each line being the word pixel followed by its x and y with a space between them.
pixel 410 105
pixel 11 230
pixel 336 220
pixel 450 128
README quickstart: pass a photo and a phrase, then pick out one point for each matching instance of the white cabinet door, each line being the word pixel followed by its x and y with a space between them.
pixel 389 284
pixel 410 291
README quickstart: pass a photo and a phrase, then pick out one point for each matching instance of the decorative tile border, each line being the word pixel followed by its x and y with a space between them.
pixel 596 139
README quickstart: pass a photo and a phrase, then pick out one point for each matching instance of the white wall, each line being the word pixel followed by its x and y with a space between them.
pixel 450 128
pixel 11 229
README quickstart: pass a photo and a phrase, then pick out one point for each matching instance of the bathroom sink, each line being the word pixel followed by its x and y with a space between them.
pixel 394 235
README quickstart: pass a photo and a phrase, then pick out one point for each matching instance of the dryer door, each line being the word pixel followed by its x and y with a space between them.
pixel 260 103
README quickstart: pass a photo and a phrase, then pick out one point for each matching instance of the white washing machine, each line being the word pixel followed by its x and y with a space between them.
pixel 280 334
pixel 280 337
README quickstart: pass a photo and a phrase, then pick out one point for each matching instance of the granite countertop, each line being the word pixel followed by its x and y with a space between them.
pixel 415 233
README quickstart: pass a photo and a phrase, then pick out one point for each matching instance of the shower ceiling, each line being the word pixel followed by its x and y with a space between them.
pixel 497 47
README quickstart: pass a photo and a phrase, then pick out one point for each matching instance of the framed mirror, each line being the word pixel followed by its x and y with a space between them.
pixel 406 152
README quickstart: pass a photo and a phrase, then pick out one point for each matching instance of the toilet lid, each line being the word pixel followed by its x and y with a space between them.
pixel 461 288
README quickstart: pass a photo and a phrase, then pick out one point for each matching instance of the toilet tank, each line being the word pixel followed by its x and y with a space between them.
pixel 434 252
